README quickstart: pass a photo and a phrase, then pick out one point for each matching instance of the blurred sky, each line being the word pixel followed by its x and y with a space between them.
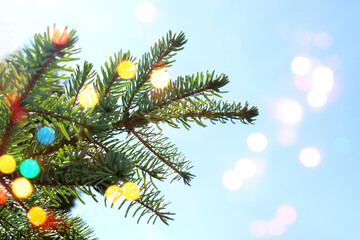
pixel 305 103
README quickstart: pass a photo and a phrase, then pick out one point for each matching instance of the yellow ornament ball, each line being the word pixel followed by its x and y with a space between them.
pixel 88 97
pixel 113 193
pixel 126 69
pixel 130 190
pixel 160 78
pixel 37 216
pixel 7 164
pixel 22 188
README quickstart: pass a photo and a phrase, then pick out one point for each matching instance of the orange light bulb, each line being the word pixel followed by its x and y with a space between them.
pixel 59 35
pixel 37 216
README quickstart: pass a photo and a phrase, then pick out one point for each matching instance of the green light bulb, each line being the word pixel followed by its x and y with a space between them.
pixel 29 168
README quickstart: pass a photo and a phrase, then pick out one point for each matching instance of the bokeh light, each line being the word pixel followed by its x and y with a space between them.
pixel 3 194
pixel 323 79
pixel 289 111
pixel 29 168
pixel 18 115
pixel 88 97
pixel 276 227
pixel 257 142
pixel 22 188
pixel 12 100
pixel 45 135
pixel 301 65
pixel 130 191
pixel 232 180
pixel 245 168
pixel 160 78
pixel 7 164
pixel 59 35
pixel 342 145
pixel 258 228
pixel 303 82
pixel 316 98
pixel 323 40
pixel 286 137
pixel 126 69
pixel 37 216
pixel 113 193
pixel 145 12
pixel 310 157
pixel 286 214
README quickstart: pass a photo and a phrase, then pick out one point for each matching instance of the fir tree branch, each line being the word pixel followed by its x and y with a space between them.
pixel 5 137
pixel 107 90
pixel 48 150
pixel 3 220
pixel 8 189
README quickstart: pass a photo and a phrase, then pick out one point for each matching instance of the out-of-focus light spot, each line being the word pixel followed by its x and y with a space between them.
pixel 29 168
pixel 301 65
pixel 88 97
pixel 232 180
pixel 130 190
pixel 342 145
pixel 310 157
pixel 12 100
pixel 22 188
pixel 7 164
pixel 258 228
pixel 286 137
pixel 303 82
pixel 18 115
pixel 289 111
pixel 145 12
pixel 45 135
pixel 286 214
pixel 160 78
pixel 126 69
pixel 316 98
pixel 59 35
pixel 303 37
pixel 257 142
pixel 245 168
pixel 3 194
pixel 276 228
pixel 113 193
pixel 323 40
pixel 333 62
pixel 37 216
pixel 323 79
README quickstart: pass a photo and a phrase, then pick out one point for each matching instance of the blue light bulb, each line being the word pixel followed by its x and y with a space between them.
pixel 45 135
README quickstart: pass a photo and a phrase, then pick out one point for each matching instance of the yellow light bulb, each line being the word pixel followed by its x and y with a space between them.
pixel 160 78
pixel 7 164
pixel 126 69
pixel 130 190
pixel 113 192
pixel 22 188
pixel 88 97
pixel 37 216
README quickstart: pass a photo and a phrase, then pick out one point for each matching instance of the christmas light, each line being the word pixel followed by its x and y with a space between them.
pixel 3 194
pixel 88 97
pixel 18 115
pixel 12 100
pixel 113 192
pixel 29 168
pixel 59 35
pixel 160 78
pixel 126 69
pixel 7 164
pixel 22 188
pixel 45 135
pixel 37 216
pixel 130 190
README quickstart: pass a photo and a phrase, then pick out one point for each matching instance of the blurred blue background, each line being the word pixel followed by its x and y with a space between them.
pixel 257 43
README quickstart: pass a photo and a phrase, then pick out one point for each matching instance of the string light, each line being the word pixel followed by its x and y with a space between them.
pixel 3 194
pixel 29 168
pixel 126 69
pixel 12 100
pixel 37 216
pixel 7 164
pixel 88 97
pixel 22 188
pixel 130 190
pixel 59 35
pixel 113 192
pixel 18 115
pixel 160 78
pixel 45 135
